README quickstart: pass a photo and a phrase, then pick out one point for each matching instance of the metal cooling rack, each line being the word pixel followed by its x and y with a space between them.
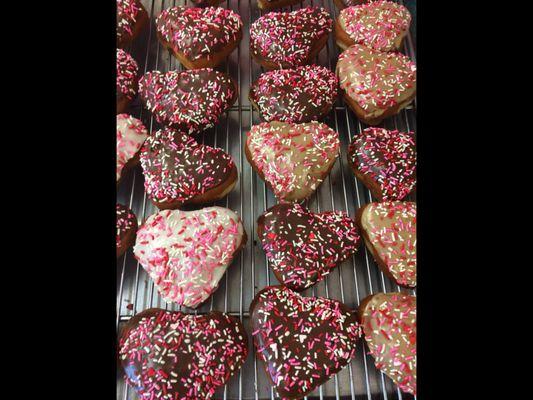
pixel 351 282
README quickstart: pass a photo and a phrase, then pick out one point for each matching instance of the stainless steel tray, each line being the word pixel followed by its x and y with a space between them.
pixel 350 283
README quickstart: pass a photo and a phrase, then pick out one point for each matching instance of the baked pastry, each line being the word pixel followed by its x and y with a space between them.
pixel 380 25
pixel 131 134
pixel 293 159
pixel 385 161
pixel 126 229
pixel 389 325
pixel 281 40
pixel 172 355
pixel 348 3
pixel 302 246
pixel 302 341
pixel 389 231
pixel 298 95
pixel 267 5
pixel 127 76
pixel 376 85
pixel 178 170
pixel 190 101
pixel 199 37
pixel 187 252
pixel 131 19
pixel 206 3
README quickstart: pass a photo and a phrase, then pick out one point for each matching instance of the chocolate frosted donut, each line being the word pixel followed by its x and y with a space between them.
pixel 380 25
pixel 199 37
pixel 186 253
pixel 302 246
pixel 348 3
pixel 267 5
pixel 126 229
pixel 172 355
pixel 293 159
pixel 127 70
pixel 131 18
pixel 389 231
pixel 206 3
pixel 376 85
pixel 389 325
pixel 190 101
pixel 302 341
pixel 385 161
pixel 178 170
pixel 298 95
pixel 131 134
pixel 281 40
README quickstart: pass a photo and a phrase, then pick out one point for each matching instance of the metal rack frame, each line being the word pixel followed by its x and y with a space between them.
pixel 355 279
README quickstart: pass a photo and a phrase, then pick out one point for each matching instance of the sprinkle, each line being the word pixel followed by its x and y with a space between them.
pixel 127 70
pixel 127 12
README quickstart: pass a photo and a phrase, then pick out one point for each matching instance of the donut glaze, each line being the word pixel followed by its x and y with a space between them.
pixel 296 95
pixel 302 246
pixel 293 159
pixel 389 230
pixel 380 25
pixel 126 229
pixel 389 325
pixel 302 341
pixel 190 101
pixel 377 82
pixel 187 252
pixel 386 160
pixel 171 355
pixel 131 134
pixel 288 38
pixel 198 32
pixel 178 169
pixel 127 70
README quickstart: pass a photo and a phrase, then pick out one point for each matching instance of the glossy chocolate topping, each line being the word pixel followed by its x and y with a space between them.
pixel 177 168
pixel 198 32
pixel 296 95
pixel 302 246
pixel 376 81
pixel 287 38
pixel 170 355
pixel 302 340
pixel 190 100
pixel 386 157
pixel 126 223
pixel 390 229
pixel 127 12
pixel 127 70
pixel 389 324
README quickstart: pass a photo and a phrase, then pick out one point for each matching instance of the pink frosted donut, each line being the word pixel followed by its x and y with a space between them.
pixel 131 134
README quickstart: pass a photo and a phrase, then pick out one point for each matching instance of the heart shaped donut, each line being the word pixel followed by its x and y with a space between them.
pixel 389 325
pixel 385 161
pixel 293 159
pixel 206 3
pixel 178 170
pixel 298 95
pixel 131 18
pixel 376 85
pixel 281 40
pixel 126 229
pixel 172 355
pixel 127 70
pixel 131 134
pixel 199 37
pixel 267 5
pixel 341 4
pixel 302 246
pixel 190 101
pixel 303 341
pixel 187 252
pixel 389 231
pixel 381 25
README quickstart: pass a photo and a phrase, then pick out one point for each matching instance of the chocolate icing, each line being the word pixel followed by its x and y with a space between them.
pixel 127 70
pixel 177 168
pixel 126 224
pixel 190 101
pixel 389 324
pixel 171 355
pixel 127 14
pixel 302 340
pixel 298 95
pixel 303 247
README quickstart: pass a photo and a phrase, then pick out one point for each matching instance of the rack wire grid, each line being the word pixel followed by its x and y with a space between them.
pixel 351 282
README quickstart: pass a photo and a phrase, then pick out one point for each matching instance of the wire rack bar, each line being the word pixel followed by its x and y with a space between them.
pixel 355 279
